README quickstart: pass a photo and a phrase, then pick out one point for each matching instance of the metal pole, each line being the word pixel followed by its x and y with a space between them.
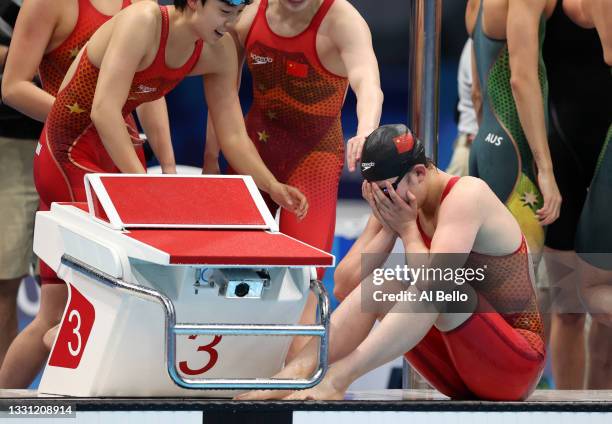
pixel 424 72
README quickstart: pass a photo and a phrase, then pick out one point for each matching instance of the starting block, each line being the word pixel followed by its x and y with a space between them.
pixel 176 283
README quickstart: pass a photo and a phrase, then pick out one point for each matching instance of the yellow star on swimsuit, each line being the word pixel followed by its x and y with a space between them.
pixel 263 136
pixel 75 108
pixel 530 199
pixel 271 114
pixel 74 53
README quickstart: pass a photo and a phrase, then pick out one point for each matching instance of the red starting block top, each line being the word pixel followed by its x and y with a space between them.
pixel 232 247
pixel 177 201
pixel 238 247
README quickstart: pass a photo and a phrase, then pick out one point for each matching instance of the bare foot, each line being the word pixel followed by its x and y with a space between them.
pixel 293 370
pixel 328 389
pixel 50 336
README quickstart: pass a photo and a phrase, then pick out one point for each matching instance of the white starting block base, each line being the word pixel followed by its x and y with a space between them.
pixel 125 352
pixel 174 291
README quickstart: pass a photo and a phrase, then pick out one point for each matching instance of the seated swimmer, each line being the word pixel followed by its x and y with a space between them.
pixel 493 348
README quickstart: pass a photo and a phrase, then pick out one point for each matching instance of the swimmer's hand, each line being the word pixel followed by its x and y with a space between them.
pixel 368 195
pixel 552 198
pixel 353 151
pixel 399 214
pixel 290 198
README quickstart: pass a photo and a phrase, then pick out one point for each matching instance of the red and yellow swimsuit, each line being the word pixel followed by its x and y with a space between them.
pixel 70 146
pixel 493 355
pixel 295 121
pixel 54 65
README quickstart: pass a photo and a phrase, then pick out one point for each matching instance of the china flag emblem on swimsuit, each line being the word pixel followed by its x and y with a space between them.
pixel 297 69
pixel 404 143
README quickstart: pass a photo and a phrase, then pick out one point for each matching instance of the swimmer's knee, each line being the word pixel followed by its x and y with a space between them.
pixel 340 293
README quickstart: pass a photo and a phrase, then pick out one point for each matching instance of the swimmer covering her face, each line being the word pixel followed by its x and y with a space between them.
pixel 480 354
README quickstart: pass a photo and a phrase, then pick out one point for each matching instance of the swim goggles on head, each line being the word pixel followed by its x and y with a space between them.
pixel 237 2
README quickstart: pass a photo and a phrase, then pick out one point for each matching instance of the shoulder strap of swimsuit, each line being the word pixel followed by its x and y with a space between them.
pixel 163 40
pixel 83 6
pixel 318 17
pixel 197 51
pixel 449 186
pixel 261 14
pixel 424 236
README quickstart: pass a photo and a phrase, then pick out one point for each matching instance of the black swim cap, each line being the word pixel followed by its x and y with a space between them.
pixel 390 151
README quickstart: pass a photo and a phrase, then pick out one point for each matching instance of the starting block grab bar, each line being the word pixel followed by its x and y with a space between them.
pixel 172 329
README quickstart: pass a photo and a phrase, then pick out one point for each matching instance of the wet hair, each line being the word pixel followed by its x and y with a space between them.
pixel 182 4
pixel 390 151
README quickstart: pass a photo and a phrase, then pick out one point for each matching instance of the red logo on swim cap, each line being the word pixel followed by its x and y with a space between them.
pixel 404 143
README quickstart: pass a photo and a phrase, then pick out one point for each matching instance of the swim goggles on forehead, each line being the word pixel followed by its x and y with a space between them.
pixel 236 2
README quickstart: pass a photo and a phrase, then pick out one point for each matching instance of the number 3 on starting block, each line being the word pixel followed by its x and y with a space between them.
pixel 212 360
pixel 74 332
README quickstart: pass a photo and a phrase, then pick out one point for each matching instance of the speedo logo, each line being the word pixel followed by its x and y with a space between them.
pixel 260 60
pixel 143 89
pixel 494 139
pixel 367 165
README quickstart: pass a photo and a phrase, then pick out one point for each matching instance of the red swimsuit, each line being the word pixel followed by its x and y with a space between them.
pixel 70 145
pixel 495 356
pixel 54 65
pixel 295 122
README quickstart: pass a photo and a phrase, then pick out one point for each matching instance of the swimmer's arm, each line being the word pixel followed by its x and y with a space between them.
pixel 219 65
pixel 3 52
pixel 153 117
pixel 354 40
pixel 375 241
pixel 602 16
pixel 523 48
pixel 124 53
pixel 458 224
pixel 459 219
pixel 33 31
pixel 220 71
pixel 211 148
